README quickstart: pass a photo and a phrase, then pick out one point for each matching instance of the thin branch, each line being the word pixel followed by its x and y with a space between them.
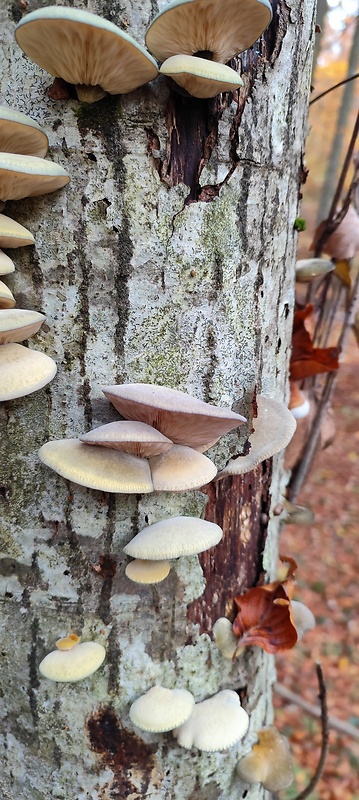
pixel 325 735
pixel 334 723
pixel 336 86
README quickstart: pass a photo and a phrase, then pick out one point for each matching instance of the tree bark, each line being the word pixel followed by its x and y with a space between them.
pixel 168 259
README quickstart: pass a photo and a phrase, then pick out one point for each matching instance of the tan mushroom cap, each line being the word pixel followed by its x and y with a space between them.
pixel 178 415
pixel 144 571
pixel 6 264
pixel 161 710
pixel 97 467
pixel 135 438
pixel 84 49
pixel 297 515
pixel 200 77
pixel 7 299
pixel 174 537
pixel 224 637
pixel 269 762
pixel 18 324
pixel 21 134
pixel 12 234
pixel 273 429
pixel 23 371
pixel 29 176
pixel 181 469
pixel 223 28
pixel 309 268
pixel 74 664
pixel 215 724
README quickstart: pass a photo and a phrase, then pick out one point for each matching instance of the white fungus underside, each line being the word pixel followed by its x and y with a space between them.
pixel 174 537
pixel 29 176
pixel 23 371
pixel 18 324
pixel 200 77
pixel 12 234
pixel 21 134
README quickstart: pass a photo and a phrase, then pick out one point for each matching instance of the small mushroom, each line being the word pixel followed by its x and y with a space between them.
pixel 297 515
pixel 146 571
pixel 85 50
pixel 181 469
pixel 174 537
pixel 307 269
pixel 215 724
pixel 17 324
pixel 6 264
pixel 21 134
pixel 303 618
pixel 12 234
pixel 72 661
pixel 273 429
pixel 161 710
pixel 299 404
pixel 29 176
pixel 23 371
pixel 135 438
pixel 200 77
pixel 7 299
pixel 224 637
pixel 269 762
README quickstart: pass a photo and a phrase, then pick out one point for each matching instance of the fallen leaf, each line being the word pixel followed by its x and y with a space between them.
pixel 307 360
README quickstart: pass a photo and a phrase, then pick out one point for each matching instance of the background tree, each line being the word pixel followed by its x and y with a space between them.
pixel 168 259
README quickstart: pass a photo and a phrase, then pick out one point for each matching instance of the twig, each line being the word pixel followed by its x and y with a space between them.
pixel 325 735
pixel 336 86
pixel 334 723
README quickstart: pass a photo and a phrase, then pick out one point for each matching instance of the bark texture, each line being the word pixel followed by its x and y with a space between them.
pixel 168 259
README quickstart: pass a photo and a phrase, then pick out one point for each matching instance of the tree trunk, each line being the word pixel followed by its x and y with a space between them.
pixel 168 259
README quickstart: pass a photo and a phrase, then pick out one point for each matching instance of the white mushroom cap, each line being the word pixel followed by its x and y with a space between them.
pixel 309 268
pixel 69 666
pixel 23 371
pixel 178 415
pixel 84 49
pixel 303 618
pixel 21 134
pixel 221 27
pixel 17 324
pixel 97 467
pixel 6 264
pixel 174 537
pixel 181 469
pixel 273 429
pixel 200 77
pixel 161 710
pixel 301 410
pixel 136 438
pixel 215 724
pixel 144 571
pixel 29 176
pixel 224 637
pixel 12 234
pixel 7 299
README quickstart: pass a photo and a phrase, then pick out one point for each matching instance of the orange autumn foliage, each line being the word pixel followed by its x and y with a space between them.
pixel 307 360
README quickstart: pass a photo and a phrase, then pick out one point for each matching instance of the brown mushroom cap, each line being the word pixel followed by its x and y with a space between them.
pixel 23 371
pixel 181 469
pixel 17 324
pixel 29 176
pixel 222 28
pixel 7 299
pixel 6 264
pixel 269 762
pixel 179 416
pixel 174 537
pixel 21 134
pixel 97 467
pixel 200 77
pixel 135 438
pixel 12 234
pixel 84 49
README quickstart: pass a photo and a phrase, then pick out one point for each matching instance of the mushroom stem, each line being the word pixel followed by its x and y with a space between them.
pixel 89 94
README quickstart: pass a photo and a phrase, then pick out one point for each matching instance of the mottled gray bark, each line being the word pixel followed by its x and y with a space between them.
pixel 139 284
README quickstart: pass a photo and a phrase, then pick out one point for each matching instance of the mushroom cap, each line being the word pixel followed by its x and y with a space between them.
pixel 303 617
pixel 146 571
pixel 69 666
pixel 178 415
pixel 215 724
pixel 161 710
pixel 222 27
pixel 6 264
pixel 297 515
pixel 7 299
pixel 224 637
pixel 181 469
pixel 174 537
pixel 309 268
pixel 200 77
pixel 21 134
pixel 97 467
pixel 269 762
pixel 12 234
pixel 135 438
pixel 83 48
pixel 273 429
pixel 29 176
pixel 23 371
pixel 17 324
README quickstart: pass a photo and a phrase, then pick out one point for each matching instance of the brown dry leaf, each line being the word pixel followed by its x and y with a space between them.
pixel 307 360
pixel 342 271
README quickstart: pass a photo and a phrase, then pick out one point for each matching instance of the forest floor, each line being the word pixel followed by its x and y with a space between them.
pixel 327 553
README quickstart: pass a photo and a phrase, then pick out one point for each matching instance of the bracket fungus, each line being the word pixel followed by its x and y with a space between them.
pixel 23 371
pixel 307 269
pixel 6 264
pixel 21 134
pixel 17 324
pixel 7 299
pixel 160 710
pixel 85 50
pixel 135 438
pixel 72 661
pixel 274 427
pixel 183 418
pixel 269 762
pixel 29 176
pixel 12 234
pixel 181 469
pixel 215 724
pixel 200 77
